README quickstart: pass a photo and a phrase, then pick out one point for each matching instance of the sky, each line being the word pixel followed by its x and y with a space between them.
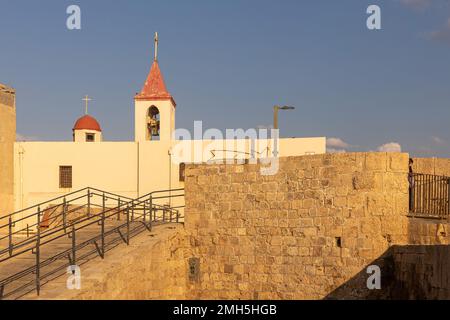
pixel 227 63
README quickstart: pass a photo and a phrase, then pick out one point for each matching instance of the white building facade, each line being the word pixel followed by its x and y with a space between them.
pixel 45 170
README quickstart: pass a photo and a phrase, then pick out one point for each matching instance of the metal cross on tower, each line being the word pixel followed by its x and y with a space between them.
pixel 156 46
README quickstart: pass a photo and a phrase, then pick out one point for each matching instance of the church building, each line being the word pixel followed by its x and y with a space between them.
pixel 32 172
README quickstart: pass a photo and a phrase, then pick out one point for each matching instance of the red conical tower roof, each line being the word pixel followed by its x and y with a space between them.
pixel 154 87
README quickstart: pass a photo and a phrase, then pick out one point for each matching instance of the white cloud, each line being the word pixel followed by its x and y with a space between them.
pixel 337 143
pixel 438 140
pixel 21 137
pixel 442 35
pixel 332 150
pixel 390 147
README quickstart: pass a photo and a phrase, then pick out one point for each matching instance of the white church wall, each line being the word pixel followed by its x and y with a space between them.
pixel 198 151
pixel 109 166
pixel 129 169
pixel 302 146
pixel 157 171
pixel 113 166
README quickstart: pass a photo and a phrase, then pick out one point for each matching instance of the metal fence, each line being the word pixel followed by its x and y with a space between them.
pixel 429 196
pixel 108 226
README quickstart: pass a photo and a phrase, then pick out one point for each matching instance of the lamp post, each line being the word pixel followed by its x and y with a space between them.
pixel 275 114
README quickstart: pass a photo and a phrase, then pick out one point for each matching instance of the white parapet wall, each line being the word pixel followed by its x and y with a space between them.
pixel 129 169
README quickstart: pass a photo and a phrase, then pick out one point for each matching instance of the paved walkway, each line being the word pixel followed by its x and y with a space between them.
pixel 97 275
pixel 18 274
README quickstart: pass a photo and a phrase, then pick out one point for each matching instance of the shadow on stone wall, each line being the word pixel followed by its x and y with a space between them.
pixel 311 230
pixel 415 272
pixel 356 287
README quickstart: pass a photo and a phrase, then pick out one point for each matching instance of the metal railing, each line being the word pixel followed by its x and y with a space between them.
pixel 21 227
pixel 429 196
pixel 127 219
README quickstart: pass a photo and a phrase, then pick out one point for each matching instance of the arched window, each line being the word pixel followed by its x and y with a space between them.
pixel 153 123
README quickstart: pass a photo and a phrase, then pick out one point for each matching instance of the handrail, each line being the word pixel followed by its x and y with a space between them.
pixel 62 197
pixel 65 201
pixel 45 202
pixel 38 212
pixel 13 247
pixel 55 230
pixel 142 210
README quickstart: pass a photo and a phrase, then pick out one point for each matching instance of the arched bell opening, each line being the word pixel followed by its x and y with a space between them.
pixel 153 123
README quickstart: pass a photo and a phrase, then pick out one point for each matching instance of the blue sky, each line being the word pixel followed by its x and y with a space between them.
pixel 228 62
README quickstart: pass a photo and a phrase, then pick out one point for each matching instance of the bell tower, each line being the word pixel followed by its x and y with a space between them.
pixel 154 107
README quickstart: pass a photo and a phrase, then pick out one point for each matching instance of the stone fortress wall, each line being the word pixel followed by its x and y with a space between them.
pixel 303 233
pixel 422 268
pixel 308 232
pixel 7 139
pixel 311 231
pixel 436 166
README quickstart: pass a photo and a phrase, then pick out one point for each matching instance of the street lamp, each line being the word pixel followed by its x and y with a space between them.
pixel 275 114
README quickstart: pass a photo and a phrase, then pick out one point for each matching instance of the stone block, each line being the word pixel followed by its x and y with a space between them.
pixel 376 161
pixel 363 180
pixel 398 162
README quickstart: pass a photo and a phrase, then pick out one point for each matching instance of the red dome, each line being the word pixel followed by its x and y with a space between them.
pixel 87 123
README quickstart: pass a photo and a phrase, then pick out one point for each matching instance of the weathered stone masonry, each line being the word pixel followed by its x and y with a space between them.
pixel 308 232
pixel 7 139
pixel 436 166
pixel 299 234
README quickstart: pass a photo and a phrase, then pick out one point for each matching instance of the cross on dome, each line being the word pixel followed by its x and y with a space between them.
pixel 86 99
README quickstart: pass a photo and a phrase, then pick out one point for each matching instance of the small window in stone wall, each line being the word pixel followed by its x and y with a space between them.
pixel 182 171
pixel 65 177
pixel 338 242
pixel 194 269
